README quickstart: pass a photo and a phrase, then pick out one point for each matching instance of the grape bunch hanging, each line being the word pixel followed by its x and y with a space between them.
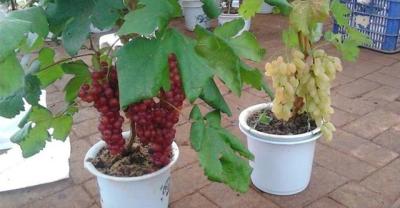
pixel 308 80
pixel 152 120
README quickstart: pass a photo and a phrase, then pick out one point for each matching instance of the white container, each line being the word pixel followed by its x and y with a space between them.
pixel 194 14
pixel 266 9
pixel 283 163
pixel 224 18
pixel 150 191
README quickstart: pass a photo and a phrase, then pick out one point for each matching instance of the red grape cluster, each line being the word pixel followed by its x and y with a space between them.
pixel 154 119
pixel 104 93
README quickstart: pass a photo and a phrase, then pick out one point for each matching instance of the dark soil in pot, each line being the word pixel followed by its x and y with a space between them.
pixel 135 163
pixel 297 125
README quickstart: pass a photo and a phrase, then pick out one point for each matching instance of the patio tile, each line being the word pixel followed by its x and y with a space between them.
pixel 359 69
pixel 355 106
pixel 74 197
pixel 91 187
pixel 393 70
pixel 344 141
pixel 340 118
pixel 341 79
pixel 78 173
pixel 374 154
pixel 355 196
pixel 323 181
pixel 193 201
pixel 389 139
pixel 384 79
pixel 224 197
pixel 187 156
pixel 183 134
pixel 80 147
pixel 384 92
pixel 373 124
pixel 186 181
pixel 18 198
pixel 325 203
pixel 385 181
pixel 357 88
pixel 86 128
pixel 86 114
pixel 341 163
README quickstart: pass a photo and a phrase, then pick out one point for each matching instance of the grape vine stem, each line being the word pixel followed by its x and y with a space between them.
pixel 67 59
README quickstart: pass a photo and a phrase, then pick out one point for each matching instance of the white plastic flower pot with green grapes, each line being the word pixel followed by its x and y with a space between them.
pixel 282 134
pixel 230 12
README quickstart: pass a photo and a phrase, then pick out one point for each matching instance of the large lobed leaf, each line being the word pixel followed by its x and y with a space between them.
pixel 222 156
pixel 151 63
pixel 33 135
pixel 223 50
pixel 151 15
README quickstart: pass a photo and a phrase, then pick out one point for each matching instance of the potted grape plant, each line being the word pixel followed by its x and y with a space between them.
pixel 282 134
pixel 144 83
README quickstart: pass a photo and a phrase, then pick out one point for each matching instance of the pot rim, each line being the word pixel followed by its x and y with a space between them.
pixel 99 145
pixel 273 138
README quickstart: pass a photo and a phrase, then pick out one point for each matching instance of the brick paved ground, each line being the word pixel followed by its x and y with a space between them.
pixel 359 169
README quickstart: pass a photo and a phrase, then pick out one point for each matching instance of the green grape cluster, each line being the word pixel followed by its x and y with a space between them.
pixel 285 84
pixel 310 80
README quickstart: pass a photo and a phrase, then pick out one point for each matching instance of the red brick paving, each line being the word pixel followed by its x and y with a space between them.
pixel 360 168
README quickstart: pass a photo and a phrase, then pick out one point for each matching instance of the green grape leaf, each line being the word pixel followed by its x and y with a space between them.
pixel 36 16
pixel 249 8
pixel 106 13
pixel 32 89
pixel 150 62
pixel 12 105
pixel 264 119
pixel 220 57
pixel 211 8
pixel 12 33
pixel 176 11
pixel 41 116
pixel 75 34
pixel 71 18
pixel 212 96
pixel 62 126
pixel 49 72
pixel 148 17
pixel 222 156
pixel 340 12
pixel 194 69
pixel 12 77
pixel 290 38
pixel 245 45
pixel 357 36
pixel 31 139
pixel 251 76
pixel 349 50
pixel 283 5
pixel 81 76
pixel 306 14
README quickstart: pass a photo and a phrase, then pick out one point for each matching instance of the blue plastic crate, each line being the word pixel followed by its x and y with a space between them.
pixel 378 19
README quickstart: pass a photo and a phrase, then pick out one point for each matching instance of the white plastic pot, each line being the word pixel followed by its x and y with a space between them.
pixel 194 14
pixel 224 18
pixel 150 191
pixel 266 9
pixel 283 163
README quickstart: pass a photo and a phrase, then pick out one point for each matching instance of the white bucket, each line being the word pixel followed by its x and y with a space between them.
pixel 283 163
pixel 224 18
pixel 194 14
pixel 150 191
pixel 266 9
